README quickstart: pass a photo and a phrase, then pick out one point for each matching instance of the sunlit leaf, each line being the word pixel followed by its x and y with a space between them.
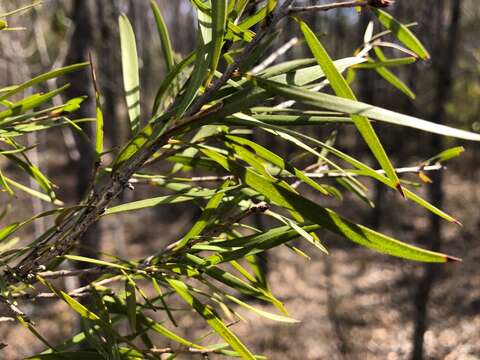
pixel 131 81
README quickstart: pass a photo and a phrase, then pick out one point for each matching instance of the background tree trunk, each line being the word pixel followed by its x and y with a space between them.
pixel 444 63
pixel 81 43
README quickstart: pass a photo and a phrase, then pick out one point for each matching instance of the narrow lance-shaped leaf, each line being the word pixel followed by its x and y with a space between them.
pixel 131 79
pixel 42 78
pixel 4 184
pixel 335 103
pixel 99 114
pixel 74 304
pixel 131 300
pixel 20 9
pixel 219 21
pixel 261 14
pixel 212 319
pixel 170 80
pixel 391 77
pixel 327 218
pixel 35 173
pixel 365 170
pixel 260 312
pixel 278 161
pixel 446 155
pixel 194 193
pixel 164 36
pixel 196 78
pixel 204 219
pixel 96 262
pixel 341 88
pixel 402 33
pixel 33 192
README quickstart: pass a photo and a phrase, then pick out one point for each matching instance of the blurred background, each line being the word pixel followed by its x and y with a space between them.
pixel 353 304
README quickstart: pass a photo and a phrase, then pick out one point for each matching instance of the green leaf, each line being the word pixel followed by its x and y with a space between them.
pixel 446 155
pixel 327 218
pixel 164 36
pixel 196 78
pixel 402 33
pixel 74 304
pixel 35 173
pixel 42 78
pixel 395 81
pixel 194 193
pixel 133 146
pixel 20 9
pixel 219 21
pixel 293 225
pixel 73 355
pixel 171 80
pixel 295 120
pixel 259 15
pixel 131 81
pixel 33 192
pixel 99 132
pixel 162 330
pixel 364 170
pixel 205 218
pixel 387 63
pixel 131 300
pixel 392 78
pixel 341 88
pixel 4 184
pixel 265 314
pixel 335 103
pixel 28 103
pixel 306 75
pixel 278 161
pixel 95 262
pixel 207 312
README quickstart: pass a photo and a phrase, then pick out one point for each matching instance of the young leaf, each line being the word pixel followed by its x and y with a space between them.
pixel 99 113
pixel 402 33
pixel 131 81
pixel 390 77
pixel 164 36
pixel 219 21
pixel 131 300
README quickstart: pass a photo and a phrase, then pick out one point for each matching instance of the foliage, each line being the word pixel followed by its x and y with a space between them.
pixel 204 127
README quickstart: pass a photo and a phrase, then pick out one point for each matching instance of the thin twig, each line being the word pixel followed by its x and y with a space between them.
pixel 6 319
pixel 275 55
pixel 327 7
pixel 339 5
pixel 68 273
pixel 312 175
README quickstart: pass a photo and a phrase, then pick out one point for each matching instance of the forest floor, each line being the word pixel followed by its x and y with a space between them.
pixel 352 304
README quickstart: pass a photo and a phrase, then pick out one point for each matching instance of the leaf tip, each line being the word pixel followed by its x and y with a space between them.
pixel 449 258
pixel 399 188
pixel 459 223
